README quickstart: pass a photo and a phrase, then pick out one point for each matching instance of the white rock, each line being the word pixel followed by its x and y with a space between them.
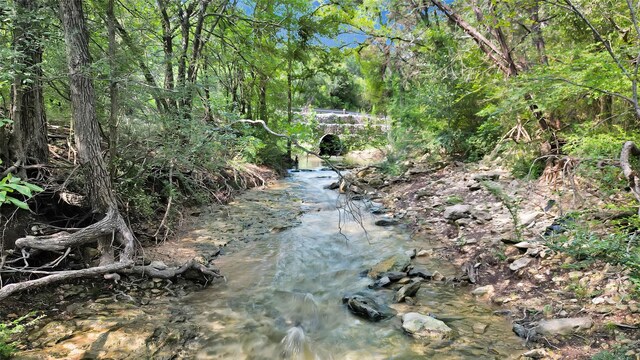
pixel 483 290
pixel 159 265
pixel 424 253
pixel 528 218
pixel 563 326
pixel 520 263
pixel 423 326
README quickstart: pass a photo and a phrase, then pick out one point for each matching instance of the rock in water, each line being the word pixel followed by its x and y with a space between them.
pixel 563 326
pixel 386 222
pixel 393 275
pixel 367 307
pixel 383 281
pixel 456 212
pixel 425 327
pixel 425 274
pixel 408 290
pixel 332 186
pixel 392 263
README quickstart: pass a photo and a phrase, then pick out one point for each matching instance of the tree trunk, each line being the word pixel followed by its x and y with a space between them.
pixel 629 149
pixel 27 109
pixel 113 88
pixel 262 98
pixel 87 132
pixel 538 38
pixel 167 44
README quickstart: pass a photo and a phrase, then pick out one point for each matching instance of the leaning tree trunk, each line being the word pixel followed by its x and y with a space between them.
pixel 629 149
pixel 27 107
pixel 87 141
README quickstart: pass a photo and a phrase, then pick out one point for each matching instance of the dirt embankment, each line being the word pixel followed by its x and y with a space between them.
pixel 499 232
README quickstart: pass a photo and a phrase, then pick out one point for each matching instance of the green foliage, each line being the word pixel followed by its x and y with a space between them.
pixel 527 167
pixel 11 186
pixel 617 353
pixel 454 199
pixel 510 203
pixel 620 246
pixel 9 330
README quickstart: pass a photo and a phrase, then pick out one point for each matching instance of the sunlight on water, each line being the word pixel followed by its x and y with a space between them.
pixel 283 295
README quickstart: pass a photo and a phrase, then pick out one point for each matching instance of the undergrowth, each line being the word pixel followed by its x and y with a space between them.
pixel 618 246
pixel 9 330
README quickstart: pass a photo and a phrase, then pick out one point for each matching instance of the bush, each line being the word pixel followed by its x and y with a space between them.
pixel 9 330
pixel 619 246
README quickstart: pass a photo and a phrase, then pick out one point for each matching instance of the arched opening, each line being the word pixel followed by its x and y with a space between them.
pixel 330 145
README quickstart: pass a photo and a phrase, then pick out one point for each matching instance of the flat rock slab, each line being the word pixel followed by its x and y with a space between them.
pixel 456 212
pixel 392 263
pixel 425 327
pixel 564 326
pixel 394 275
pixel 520 263
pixel 425 274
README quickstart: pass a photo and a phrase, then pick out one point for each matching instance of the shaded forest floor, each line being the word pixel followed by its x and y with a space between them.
pixel 464 213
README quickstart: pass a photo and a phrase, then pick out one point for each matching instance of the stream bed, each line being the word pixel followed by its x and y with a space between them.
pixel 286 275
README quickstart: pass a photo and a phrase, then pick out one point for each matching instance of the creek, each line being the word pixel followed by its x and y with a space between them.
pixel 282 297
pixel 296 280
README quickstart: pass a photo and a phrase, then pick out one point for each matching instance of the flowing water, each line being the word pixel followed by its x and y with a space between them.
pixel 283 294
pixel 286 277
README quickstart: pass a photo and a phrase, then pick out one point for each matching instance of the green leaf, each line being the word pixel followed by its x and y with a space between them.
pixel 18 203
pixel 22 189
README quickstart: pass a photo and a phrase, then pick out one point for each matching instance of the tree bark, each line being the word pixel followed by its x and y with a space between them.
pixel 630 149
pixel 27 109
pixel 167 44
pixel 113 88
pixel 86 128
pixel 538 38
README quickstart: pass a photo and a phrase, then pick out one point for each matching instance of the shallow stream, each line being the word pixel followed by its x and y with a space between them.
pixel 292 284
pixel 286 276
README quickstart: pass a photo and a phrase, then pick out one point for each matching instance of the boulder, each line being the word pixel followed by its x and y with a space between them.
pixel 425 327
pixel 456 212
pixel 394 275
pixel 423 252
pixel 528 218
pixel 564 326
pixel 367 308
pixel 398 262
pixel 520 263
pixel 486 176
pixel 386 222
pixel 408 290
pixel 425 274
pixel 483 290
pixel 383 281
pixel 332 186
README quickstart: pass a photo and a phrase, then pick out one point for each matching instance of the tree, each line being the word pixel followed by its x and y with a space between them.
pixel 27 100
pixel 98 181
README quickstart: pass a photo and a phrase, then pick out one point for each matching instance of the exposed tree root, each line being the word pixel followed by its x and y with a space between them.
pixel 207 273
pixel 61 276
pixel 630 149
